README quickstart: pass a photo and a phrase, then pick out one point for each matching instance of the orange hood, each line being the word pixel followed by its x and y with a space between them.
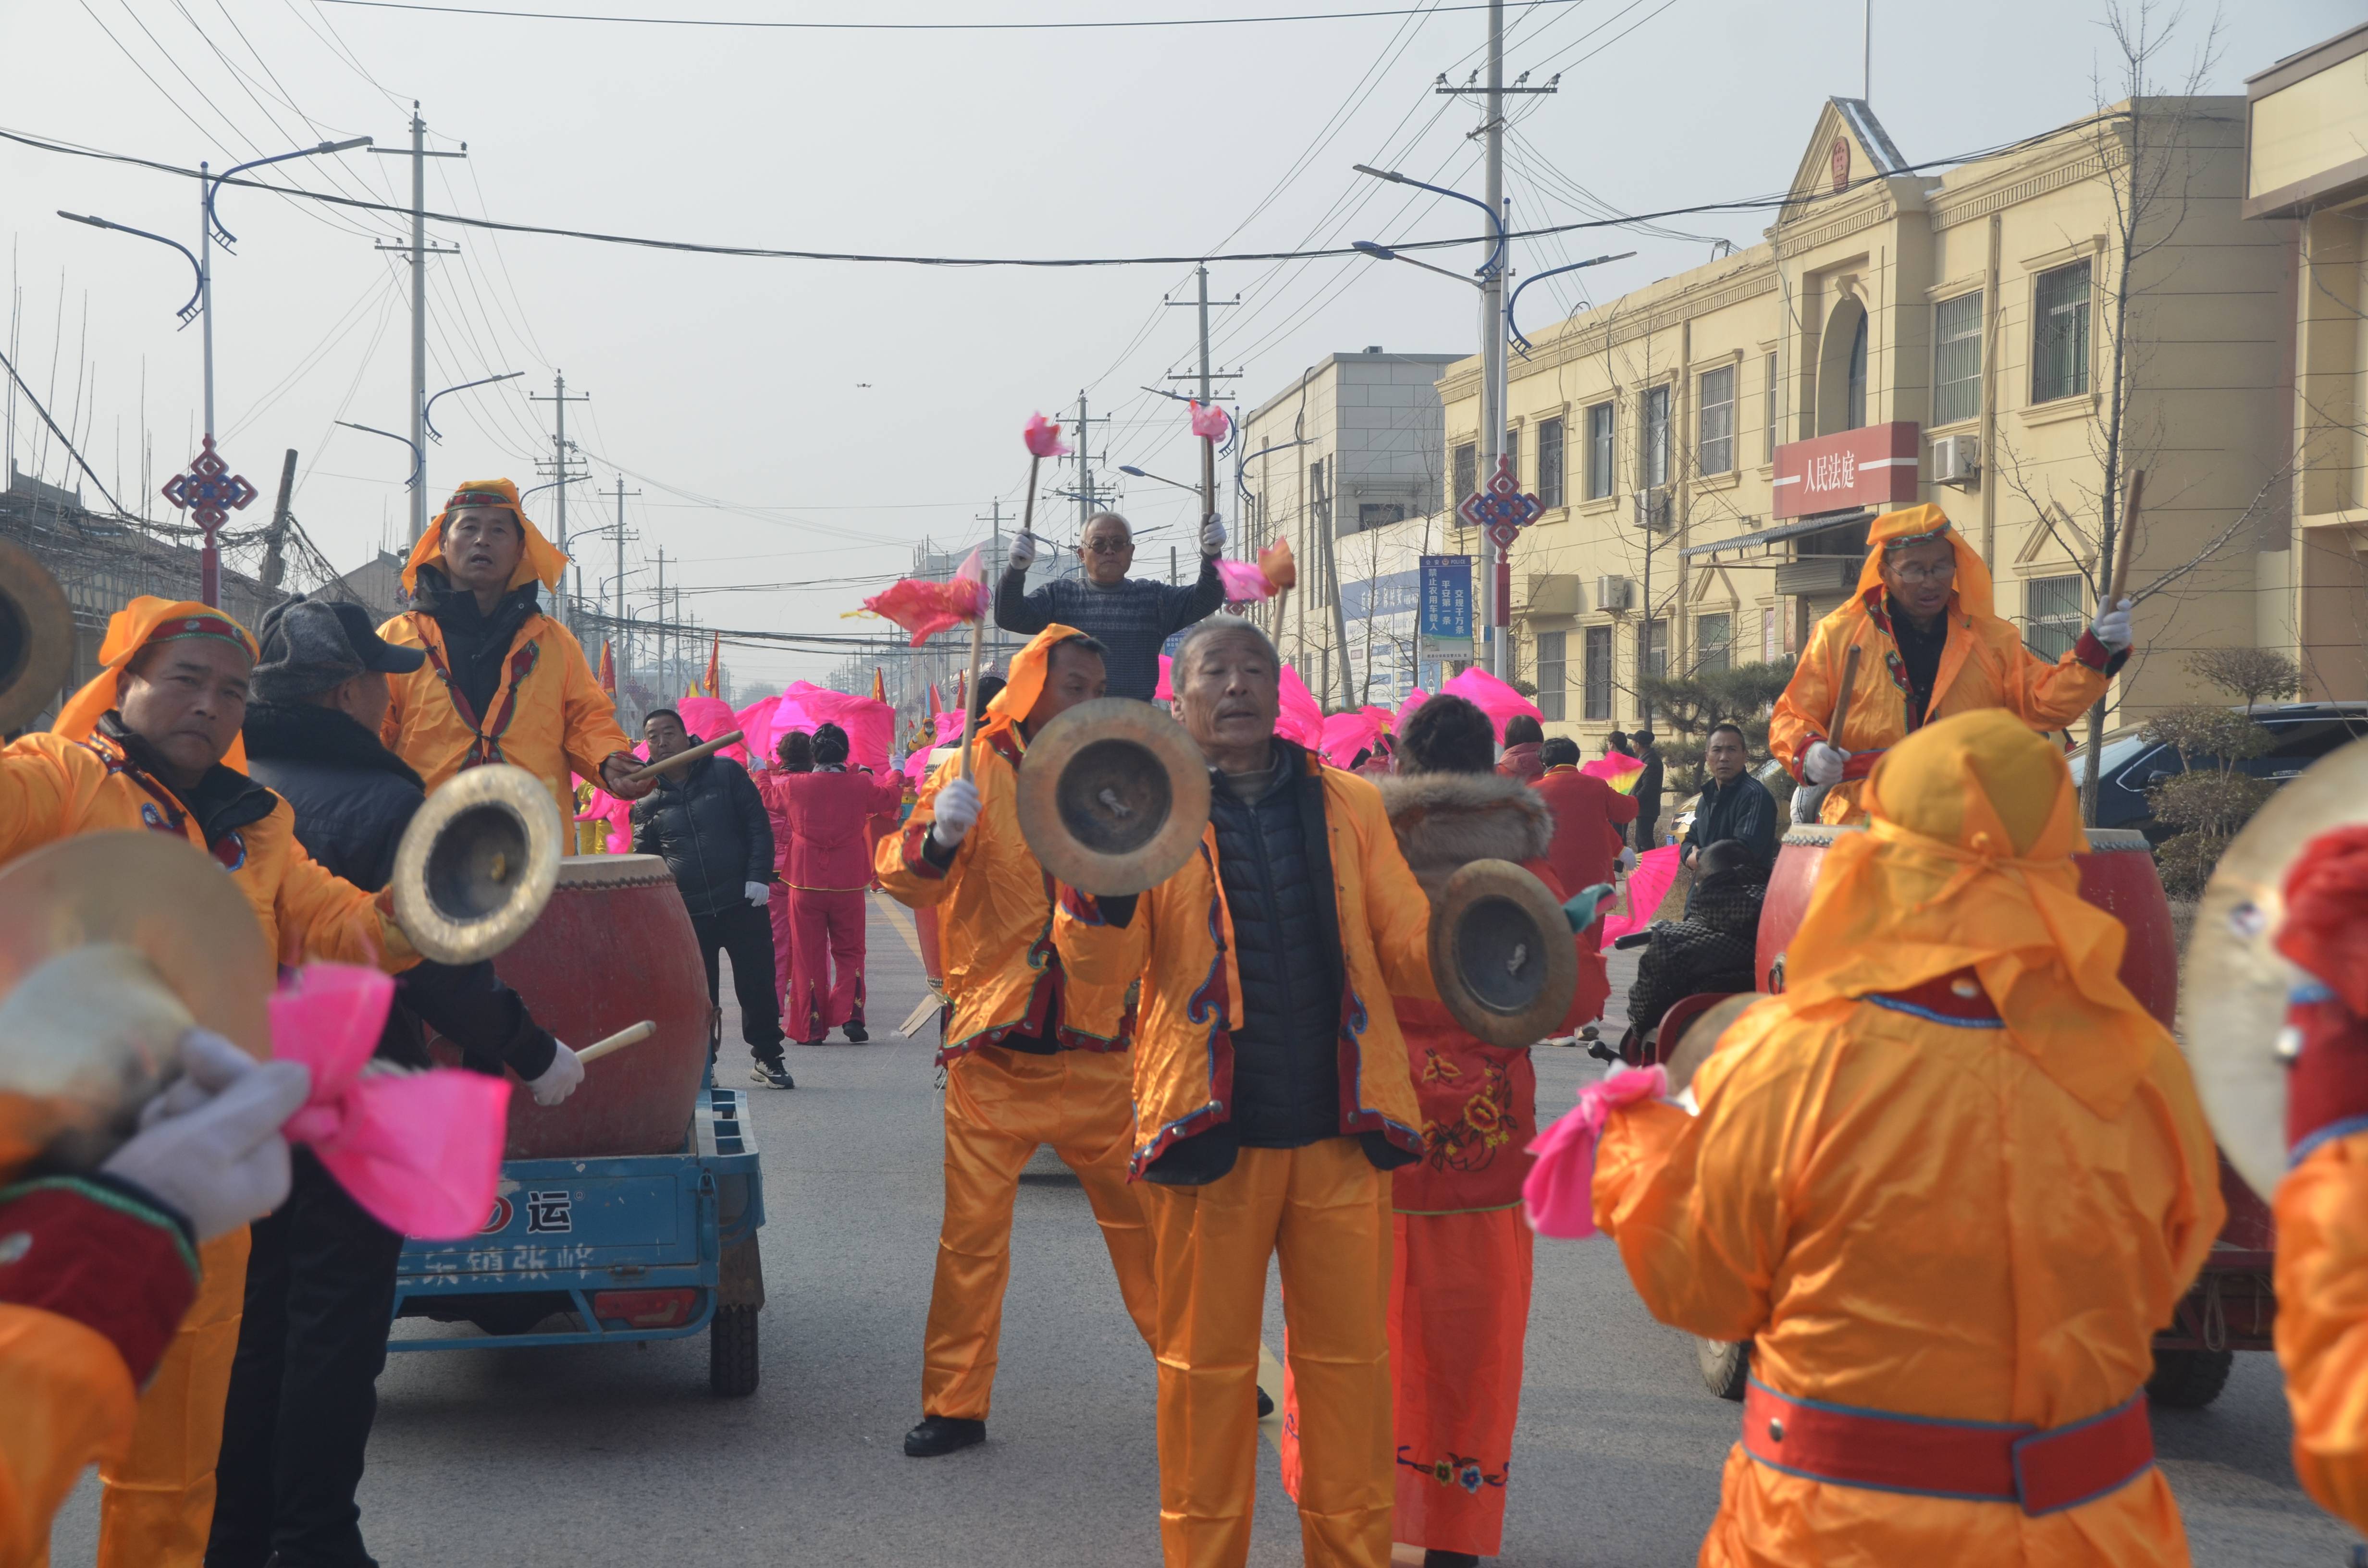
pixel 1975 595
pixel 1024 683
pixel 540 561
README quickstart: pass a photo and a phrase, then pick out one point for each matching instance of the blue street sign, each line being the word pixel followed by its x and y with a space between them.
pixel 1447 596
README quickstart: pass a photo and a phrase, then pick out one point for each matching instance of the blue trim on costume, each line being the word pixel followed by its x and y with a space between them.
pixel 2326 1134
pixel 2308 992
pixel 1893 1415
pixel 1929 1017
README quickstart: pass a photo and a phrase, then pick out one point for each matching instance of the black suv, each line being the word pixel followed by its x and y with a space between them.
pixel 2130 764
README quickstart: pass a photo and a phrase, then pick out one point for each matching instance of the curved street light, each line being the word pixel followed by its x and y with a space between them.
pixel 427 415
pixel 1495 222
pixel 418 457
pixel 1514 331
pixel 188 313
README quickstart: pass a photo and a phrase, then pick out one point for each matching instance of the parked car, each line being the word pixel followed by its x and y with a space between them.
pixel 2130 764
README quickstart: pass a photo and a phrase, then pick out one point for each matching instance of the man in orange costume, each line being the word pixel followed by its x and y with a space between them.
pixel 1931 644
pixel 97 1271
pixel 1947 1184
pixel 1271 1099
pixel 827 863
pixel 504 682
pixel 153 743
pixel 1030 1056
pixel 2322 1205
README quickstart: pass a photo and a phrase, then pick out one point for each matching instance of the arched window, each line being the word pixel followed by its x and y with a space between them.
pixel 1857 400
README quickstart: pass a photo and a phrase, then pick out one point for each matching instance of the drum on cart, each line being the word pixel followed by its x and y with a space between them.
pixel 614 946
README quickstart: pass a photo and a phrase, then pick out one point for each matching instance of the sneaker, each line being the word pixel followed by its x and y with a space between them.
pixel 770 1072
pixel 942 1434
pixel 856 1033
pixel 1266 1405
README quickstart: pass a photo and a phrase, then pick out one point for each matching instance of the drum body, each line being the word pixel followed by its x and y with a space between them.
pixel 614 946
pixel 2117 875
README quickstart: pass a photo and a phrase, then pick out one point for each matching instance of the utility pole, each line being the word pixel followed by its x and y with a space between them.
pixel 275 538
pixel 621 493
pixel 1086 496
pixel 420 250
pixel 559 471
pixel 1492 343
pixel 660 631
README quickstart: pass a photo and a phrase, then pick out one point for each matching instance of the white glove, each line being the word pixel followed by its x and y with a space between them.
pixel 1824 763
pixel 956 810
pixel 559 1080
pixel 1627 858
pixel 1023 550
pixel 210 1147
pixel 1212 536
pixel 756 894
pixel 2112 628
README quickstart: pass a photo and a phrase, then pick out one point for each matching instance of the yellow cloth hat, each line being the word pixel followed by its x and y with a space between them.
pixel 146 619
pixel 540 561
pixel 1966 863
pixel 1975 596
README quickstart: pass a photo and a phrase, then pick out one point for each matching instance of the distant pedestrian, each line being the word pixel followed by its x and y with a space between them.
pixel 1616 745
pixel 828 867
pixel 1648 793
pixel 1131 618
pixel 1523 735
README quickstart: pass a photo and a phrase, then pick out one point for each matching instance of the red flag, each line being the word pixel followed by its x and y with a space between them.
pixel 607 669
pixel 925 608
pixel 934 704
pixel 714 682
pixel 879 683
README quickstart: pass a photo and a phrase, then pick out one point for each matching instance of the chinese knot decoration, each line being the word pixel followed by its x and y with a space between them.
pixel 209 491
pixel 1500 506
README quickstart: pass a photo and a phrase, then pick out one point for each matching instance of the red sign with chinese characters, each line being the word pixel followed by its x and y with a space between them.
pixel 1873 466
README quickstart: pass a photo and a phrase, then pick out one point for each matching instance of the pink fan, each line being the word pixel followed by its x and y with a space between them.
pixel 1346 734
pixel 1492 697
pixel 1302 719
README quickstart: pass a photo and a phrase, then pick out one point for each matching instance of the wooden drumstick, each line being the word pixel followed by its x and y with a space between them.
pixel 2124 538
pixel 618 1041
pixel 971 704
pixel 682 759
pixel 1843 703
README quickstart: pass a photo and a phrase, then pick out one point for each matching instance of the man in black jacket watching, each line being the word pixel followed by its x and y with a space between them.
pixel 319 1280
pixel 1734 804
pixel 1131 619
pixel 709 823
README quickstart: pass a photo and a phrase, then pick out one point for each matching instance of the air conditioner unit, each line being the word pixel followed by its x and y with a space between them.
pixel 1652 510
pixel 1956 459
pixel 1612 593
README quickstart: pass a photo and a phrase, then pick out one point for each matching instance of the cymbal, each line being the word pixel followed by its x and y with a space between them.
pixel 1701 1038
pixel 2232 989
pixel 37 637
pixel 1502 953
pixel 1113 796
pixel 111 945
pixel 477 864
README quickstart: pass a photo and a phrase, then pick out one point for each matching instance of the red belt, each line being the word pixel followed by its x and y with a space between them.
pixel 2040 1469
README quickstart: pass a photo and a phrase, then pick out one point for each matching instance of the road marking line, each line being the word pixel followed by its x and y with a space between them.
pixel 903 922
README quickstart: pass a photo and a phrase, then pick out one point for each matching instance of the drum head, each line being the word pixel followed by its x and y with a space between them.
pixel 2232 993
pixel 37 638
pixel 477 864
pixel 1503 955
pixel 1113 796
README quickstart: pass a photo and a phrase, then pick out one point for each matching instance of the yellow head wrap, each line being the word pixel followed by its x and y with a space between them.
pixel 1975 596
pixel 146 620
pixel 540 561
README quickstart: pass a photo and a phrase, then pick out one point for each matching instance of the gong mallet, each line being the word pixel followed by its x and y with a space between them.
pixel 978 626
pixel 632 1035
pixel 683 759
pixel 1817 792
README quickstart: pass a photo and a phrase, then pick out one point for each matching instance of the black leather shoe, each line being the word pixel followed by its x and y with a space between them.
pixel 855 1034
pixel 942 1434
pixel 1266 1405
pixel 1450 1560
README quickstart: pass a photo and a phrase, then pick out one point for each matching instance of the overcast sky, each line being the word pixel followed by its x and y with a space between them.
pixel 807 422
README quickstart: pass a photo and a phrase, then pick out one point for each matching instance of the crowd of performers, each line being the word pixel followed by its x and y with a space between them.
pixel 1948 1182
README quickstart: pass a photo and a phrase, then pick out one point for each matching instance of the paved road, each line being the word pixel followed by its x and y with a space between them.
pixel 583 1457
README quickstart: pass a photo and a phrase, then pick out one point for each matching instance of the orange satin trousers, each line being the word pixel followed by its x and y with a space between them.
pixel 1324 1211
pixel 158 1504
pixel 999 1106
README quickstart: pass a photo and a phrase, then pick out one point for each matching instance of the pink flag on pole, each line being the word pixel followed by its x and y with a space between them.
pixel 1648 884
pixel 926 607
pixel 1346 734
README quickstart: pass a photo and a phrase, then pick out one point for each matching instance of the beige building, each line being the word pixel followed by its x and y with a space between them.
pixel 1998 340
pixel 2306 180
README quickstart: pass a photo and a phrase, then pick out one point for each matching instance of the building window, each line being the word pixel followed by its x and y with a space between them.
pixel 2052 620
pixel 1550 463
pixel 1551 680
pixel 1597 673
pixel 1713 640
pixel 1856 413
pixel 2060 334
pixel 1654 453
pixel 1957 359
pixel 1599 452
pixel 1467 474
pixel 1717 444
pixel 1378 514
pixel 1769 455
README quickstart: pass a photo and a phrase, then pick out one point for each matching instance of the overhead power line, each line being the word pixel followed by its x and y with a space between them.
pixel 930 27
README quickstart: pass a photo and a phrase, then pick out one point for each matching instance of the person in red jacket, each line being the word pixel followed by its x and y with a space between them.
pixel 829 813
pixel 793 754
pixel 1588 844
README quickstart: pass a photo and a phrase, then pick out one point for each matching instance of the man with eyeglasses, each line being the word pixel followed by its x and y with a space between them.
pixel 1130 617
pixel 1932 645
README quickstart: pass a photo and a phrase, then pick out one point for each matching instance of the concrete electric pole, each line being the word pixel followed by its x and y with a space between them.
pixel 419 251
pixel 561 474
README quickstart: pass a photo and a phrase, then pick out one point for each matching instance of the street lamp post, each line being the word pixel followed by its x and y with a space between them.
pixel 418 457
pixel 209 491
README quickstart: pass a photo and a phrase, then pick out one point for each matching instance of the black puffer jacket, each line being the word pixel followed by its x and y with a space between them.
pixel 353 798
pixel 710 824
pixel 1710 950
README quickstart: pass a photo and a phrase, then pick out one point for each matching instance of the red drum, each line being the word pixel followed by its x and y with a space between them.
pixel 614 946
pixel 2117 875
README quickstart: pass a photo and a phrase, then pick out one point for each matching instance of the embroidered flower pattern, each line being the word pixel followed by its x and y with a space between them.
pixel 1462 1470
pixel 1484 1121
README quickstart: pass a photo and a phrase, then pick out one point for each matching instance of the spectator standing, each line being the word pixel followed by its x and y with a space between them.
pixel 793 754
pixel 1523 735
pixel 1734 804
pixel 1616 745
pixel 708 823
pixel 828 867
pixel 1589 817
pixel 1130 617
pixel 1648 793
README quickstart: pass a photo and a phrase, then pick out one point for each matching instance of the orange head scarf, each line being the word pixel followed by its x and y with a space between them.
pixel 142 623
pixel 1024 683
pixel 1975 596
pixel 1966 863
pixel 540 561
